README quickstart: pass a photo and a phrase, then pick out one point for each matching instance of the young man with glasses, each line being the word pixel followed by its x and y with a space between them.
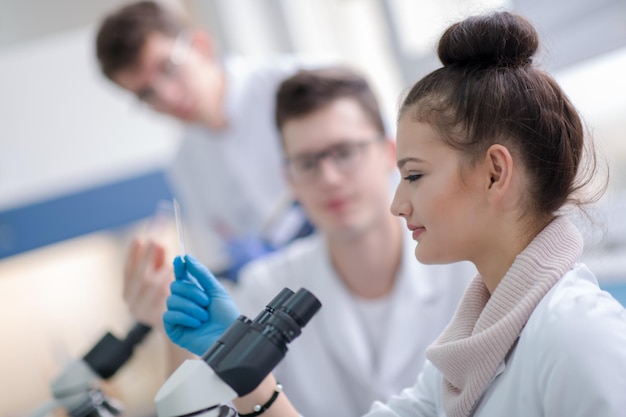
pixel 360 263
pixel 227 174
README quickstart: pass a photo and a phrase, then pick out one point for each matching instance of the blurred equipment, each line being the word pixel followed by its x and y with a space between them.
pixel 238 361
pixel 75 389
pixel 287 223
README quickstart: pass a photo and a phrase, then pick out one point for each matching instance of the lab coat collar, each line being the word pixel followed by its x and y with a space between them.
pixel 347 341
pixel 412 292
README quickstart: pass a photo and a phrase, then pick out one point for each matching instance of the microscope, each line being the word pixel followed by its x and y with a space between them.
pixel 75 388
pixel 238 361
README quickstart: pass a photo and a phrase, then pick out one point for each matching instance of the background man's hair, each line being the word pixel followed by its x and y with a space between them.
pixel 123 33
pixel 310 90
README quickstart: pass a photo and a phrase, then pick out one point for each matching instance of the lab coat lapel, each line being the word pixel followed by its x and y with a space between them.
pixel 342 331
pixel 413 292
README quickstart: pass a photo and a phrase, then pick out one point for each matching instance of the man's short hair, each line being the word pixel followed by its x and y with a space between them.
pixel 310 90
pixel 123 33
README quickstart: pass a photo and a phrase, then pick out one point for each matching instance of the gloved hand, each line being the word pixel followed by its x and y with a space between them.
pixel 197 313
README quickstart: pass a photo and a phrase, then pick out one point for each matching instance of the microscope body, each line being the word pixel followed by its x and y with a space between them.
pixel 70 388
pixel 193 388
pixel 238 361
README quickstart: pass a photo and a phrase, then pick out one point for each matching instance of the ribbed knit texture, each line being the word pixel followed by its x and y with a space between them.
pixel 484 328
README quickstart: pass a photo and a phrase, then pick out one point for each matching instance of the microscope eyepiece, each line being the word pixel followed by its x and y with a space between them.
pixel 288 320
pixel 302 306
pixel 273 305
pixel 250 349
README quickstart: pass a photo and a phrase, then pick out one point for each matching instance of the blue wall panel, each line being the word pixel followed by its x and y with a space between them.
pixel 103 207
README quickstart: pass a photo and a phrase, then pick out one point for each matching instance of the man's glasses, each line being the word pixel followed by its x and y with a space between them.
pixel 345 157
pixel 169 69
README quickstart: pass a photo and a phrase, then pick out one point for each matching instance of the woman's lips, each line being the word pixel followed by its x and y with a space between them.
pixel 416 231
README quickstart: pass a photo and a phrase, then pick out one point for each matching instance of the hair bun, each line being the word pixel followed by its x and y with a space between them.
pixel 494 40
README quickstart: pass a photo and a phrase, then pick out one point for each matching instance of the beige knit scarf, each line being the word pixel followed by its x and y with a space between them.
pixel 484 328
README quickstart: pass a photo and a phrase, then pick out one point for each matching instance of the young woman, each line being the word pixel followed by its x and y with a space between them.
pixel 491 151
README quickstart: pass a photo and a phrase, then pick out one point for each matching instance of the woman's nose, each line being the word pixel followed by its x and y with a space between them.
pixel 399 206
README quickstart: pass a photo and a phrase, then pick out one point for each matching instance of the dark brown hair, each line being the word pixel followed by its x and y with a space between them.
pixel 309 90
pixel 489 92
pixel 123 33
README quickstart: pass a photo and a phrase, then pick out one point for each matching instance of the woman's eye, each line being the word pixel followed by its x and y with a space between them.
pixel 412 177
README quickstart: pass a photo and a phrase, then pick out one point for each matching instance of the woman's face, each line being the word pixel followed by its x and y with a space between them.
pixel 443 205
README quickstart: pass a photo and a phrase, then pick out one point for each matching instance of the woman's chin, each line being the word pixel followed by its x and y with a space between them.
pixel 426 258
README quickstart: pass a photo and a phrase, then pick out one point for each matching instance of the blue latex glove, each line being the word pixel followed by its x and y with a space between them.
pixel 197 313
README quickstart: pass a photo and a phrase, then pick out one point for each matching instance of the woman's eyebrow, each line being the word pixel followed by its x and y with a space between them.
pixel 402 162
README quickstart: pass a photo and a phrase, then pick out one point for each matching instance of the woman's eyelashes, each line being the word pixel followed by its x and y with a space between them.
pixel 412 177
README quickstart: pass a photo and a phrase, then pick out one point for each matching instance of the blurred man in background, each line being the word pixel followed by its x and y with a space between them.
pixel 227 173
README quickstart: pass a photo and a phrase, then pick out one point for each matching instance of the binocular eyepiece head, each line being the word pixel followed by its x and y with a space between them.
pixel 249 349
pixel 286 315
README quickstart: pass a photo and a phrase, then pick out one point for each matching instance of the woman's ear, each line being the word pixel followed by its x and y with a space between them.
pixel 499 164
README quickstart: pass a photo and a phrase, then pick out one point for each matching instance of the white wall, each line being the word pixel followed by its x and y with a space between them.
pixel 597 87
pixel 64 127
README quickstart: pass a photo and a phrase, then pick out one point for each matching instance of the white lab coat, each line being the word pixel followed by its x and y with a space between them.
pixel 569 361
pixel 230 182
pixel 328 370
